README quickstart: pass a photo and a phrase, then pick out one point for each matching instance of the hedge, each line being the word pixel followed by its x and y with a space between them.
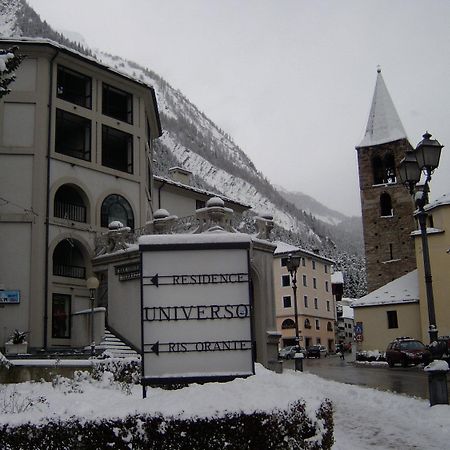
pixel 276 430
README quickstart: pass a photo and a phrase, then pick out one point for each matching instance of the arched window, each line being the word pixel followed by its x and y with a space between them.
pixel 377 168
pixel 385 205
pixel 68 260
pixel 116 207
pixel 389 169
pixel 69 204
pixel 287 324
pixel 307 323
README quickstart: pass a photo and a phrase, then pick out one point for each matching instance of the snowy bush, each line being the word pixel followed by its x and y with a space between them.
pixel 124 370
pixel 279 429
pixel 370 355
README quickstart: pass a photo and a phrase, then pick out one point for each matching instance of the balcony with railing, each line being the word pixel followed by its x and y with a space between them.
pixel 70 211
pixel 64 270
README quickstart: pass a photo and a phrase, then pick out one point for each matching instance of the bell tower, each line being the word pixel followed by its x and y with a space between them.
pixel 387 208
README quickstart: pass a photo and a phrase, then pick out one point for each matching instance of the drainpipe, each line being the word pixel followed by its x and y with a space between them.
pixel 159 193
pixel 47 206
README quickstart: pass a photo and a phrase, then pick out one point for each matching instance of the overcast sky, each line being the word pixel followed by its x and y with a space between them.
pixel 290 80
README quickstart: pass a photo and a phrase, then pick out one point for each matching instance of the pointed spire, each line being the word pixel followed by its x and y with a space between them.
pixel 384 124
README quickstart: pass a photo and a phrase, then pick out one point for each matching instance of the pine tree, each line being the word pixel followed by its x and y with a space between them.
pixel 9 62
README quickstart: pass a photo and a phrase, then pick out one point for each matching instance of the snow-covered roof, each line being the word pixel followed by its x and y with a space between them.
pixel 197 190
pixel 440 201
pixel 283 248
pixel 404 289
pixel 337 278
pixel 384 124
pixel 347 312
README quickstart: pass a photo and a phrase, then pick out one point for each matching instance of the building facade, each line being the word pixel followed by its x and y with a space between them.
pixel 75 155
pixel 315 303
pixel 387 208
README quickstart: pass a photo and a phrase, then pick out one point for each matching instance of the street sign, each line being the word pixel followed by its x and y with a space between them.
pixel 196 308
pixel 358 328
pixel 9 297
pixel 359 338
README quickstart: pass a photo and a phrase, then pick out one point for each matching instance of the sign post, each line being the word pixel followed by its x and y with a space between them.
pixel 196 309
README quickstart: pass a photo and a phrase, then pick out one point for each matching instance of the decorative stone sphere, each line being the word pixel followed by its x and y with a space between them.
pixel 215 201
pixel 161 214
pixel 115 225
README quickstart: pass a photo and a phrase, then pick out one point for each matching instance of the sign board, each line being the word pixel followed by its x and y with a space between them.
pixel 358 328
pixel 196 311
pixel 9 297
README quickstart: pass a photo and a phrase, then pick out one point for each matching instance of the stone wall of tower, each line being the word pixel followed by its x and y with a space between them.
pixel 389 248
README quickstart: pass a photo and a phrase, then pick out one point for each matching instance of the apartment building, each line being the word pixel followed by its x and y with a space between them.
pixel 75 155
pixel 315 303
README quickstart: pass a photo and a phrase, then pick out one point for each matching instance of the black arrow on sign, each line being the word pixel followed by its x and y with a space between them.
pixel 155 348
pixel 155 280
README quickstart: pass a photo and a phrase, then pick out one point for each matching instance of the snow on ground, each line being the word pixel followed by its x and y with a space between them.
pixel 364 418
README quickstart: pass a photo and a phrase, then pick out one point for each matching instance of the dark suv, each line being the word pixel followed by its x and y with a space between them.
pixel 406 351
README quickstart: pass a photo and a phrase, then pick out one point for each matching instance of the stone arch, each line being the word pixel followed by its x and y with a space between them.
pixel 80 188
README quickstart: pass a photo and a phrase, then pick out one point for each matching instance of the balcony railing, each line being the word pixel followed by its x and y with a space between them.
pixel 64 270
pixel 70 211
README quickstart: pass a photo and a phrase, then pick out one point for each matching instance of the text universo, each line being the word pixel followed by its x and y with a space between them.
pixel 197 312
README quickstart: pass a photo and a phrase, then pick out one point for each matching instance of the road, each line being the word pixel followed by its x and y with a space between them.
pixel 412 381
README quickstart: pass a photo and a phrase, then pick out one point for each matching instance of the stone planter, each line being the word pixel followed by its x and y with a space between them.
pixel 16 349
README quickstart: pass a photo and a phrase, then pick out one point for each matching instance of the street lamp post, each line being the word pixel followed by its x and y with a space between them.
pixel 92 284
pixel 292 264
pixel 425 158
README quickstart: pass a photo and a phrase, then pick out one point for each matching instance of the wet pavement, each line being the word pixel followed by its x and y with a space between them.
pixel 412 381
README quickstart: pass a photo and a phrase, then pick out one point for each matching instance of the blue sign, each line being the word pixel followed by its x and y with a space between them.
pixel 358 328
pixel 9 297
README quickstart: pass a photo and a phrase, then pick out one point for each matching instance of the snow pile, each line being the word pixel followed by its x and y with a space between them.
pixel 437 365
pixel 364 418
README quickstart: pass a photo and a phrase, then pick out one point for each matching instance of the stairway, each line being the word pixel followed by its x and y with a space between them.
pixel 115 347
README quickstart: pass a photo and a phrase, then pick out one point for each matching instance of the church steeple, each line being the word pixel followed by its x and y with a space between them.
pixel 384 124
pixel 387 209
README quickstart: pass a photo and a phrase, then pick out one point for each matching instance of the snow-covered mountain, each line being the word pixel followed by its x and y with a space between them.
pixel 193 141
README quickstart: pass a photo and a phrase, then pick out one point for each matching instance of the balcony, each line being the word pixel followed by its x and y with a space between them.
pixel 70 211
pixel 64 270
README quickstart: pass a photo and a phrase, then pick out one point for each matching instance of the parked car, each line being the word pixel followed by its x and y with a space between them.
pixel 323 351
pixel 406 351
pixel 290 351
pixel 313 351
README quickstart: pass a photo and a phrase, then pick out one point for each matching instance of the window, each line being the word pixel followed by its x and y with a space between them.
pixel 326 286
pixel 61 316
pixel 117 104
pixel 304 281
pixel 288 323
pixel 117 149
pixel 284 262
pixel 328 305
pixel 115 207
pixel 313 265
pixel 329 326
pixel 391 251
pixel 69 204
pixel 68 260
pixel 325 267
pixel 392 319
pixel 384 169
pixel 318 341
pixel 316 303
pixel 317 324
pixel 287 301
pixel 199 204
pixel 386 205
pixel 73 135
pixel 307 323
pixel 305 301
pixel 74 87
pixel 285 280
pixel 314 283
